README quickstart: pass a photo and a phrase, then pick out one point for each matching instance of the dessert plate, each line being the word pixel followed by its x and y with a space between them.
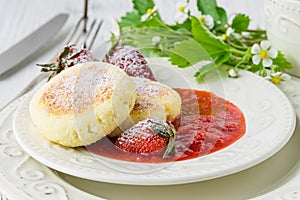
pixel 270 120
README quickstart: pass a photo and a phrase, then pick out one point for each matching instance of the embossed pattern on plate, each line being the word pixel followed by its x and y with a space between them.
pixel 270 120
pixel 24 178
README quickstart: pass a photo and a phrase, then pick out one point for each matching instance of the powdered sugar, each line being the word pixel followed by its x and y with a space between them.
pixel 78 88
pixel 132 62
pixel 151 94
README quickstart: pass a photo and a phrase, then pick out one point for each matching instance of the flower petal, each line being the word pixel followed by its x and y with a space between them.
pixel 267 62
pixel 285 77
pixel 272 53
pixel 265 44
pixel 276 74
pixel 256 59
pixel 145 17
pixel 230 30
pixel 255 49
pixel 180 18
pixel 209 21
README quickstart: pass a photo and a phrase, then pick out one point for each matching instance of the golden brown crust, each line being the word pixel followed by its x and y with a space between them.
pixel 75 92
pixel 83 103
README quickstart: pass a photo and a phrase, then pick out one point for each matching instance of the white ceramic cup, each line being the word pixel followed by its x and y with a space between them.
pixel 283 29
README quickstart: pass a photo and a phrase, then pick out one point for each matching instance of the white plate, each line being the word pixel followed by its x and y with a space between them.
pixel 270 120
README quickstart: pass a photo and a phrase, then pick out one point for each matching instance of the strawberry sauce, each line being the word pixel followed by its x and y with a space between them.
pixel 207 124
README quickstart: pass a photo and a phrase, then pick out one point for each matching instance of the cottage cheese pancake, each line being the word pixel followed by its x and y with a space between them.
pixel 83 103
pixel 156 100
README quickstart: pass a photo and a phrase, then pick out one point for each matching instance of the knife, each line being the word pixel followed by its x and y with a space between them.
pixel 29 45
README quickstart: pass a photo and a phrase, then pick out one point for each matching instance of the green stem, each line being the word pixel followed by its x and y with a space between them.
pixel 237 51
pixel 256 31
pixel 237 46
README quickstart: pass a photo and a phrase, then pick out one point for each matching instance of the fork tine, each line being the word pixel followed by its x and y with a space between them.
pixel 95 35
pixel 89 33
pixel 85 36
pixel 76 28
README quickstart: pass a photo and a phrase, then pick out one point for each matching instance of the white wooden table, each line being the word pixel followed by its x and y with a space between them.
pixel 19 18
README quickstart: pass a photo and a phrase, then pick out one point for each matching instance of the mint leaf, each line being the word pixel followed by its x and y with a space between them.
pixel 240 23
pixel 142 5
pixel 214 46
pixel 187 53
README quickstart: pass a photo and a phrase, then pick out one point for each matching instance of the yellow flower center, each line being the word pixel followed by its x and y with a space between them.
pixel 149 11
pixel 276 79
pixel 224 36
pixel 263 54
pixel 201 19
pixel 181 8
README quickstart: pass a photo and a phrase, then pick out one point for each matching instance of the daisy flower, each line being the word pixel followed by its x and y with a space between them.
pixel 263 52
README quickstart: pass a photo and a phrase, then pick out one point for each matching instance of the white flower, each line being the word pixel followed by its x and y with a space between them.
pixel 148 13
pixel 182 12
pixel 228 33
pixel 263 52
pixel 208 20
pixel 278 77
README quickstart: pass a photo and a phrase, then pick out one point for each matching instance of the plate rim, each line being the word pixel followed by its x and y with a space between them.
pixel 153 180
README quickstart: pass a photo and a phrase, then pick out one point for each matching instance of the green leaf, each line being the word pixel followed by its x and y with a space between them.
pixel 282 62
pixel 154 21
pixel 254 68
pixel 142 5
pixel 222 16
pixel 212 65
pixel 204 69
pixel 210 7
pixel 240 23
pixel 187 53
pixel 222 58
pixel 187 25
pixel 213 45
pixel 130 19
pixel 205 46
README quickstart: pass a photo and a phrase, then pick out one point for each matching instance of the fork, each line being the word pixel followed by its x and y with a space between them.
pixel 81 34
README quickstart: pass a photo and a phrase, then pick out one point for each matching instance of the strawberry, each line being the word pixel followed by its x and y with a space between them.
pixel 149 136
pixel 70 56
pixel 131 61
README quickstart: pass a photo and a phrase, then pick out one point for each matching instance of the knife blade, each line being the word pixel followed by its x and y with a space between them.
pixel 30 44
